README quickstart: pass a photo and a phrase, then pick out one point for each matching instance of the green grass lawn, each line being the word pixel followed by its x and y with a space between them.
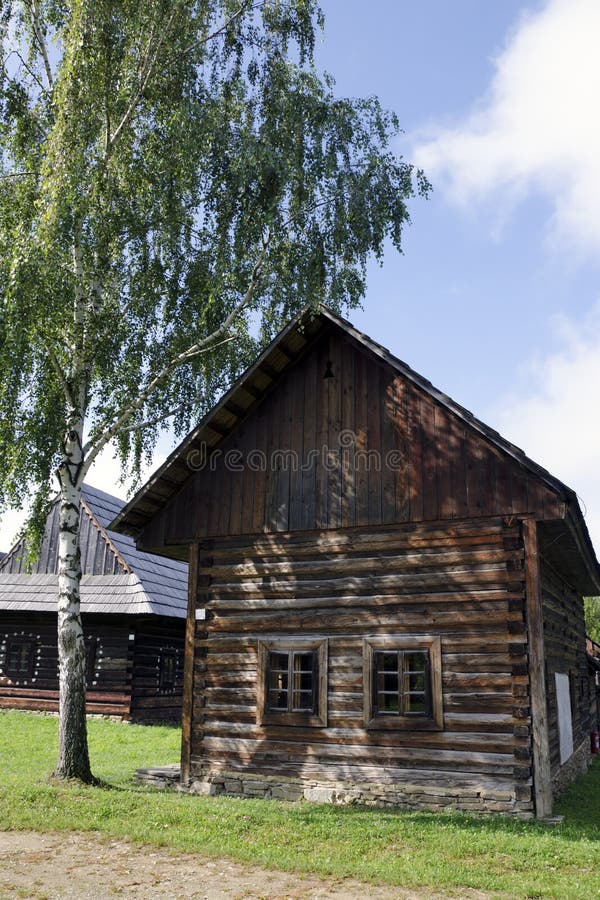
pixel 516 859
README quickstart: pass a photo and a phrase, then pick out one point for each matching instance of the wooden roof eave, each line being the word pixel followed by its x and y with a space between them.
pixel 131 520
pixel 102 532
pixel 11 553
pixel 565 544
pixel 583 541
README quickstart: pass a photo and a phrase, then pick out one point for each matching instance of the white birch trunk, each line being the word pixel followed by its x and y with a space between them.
pixel 73 755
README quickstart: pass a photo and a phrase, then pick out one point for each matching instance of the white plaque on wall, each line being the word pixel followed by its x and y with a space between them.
pixel 565 718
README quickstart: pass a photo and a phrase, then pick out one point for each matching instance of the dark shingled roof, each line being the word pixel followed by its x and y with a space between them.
pixel 147 584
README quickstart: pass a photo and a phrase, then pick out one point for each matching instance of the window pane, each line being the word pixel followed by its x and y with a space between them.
pixel 303 662
pixel 278 680
pixel 303 681
pixel 415 661
pixel 303 695
pixel 303 701
pixel 278 699
pixel 415 704
pixel 168 670
pixel 414 681
pixel 278 662
pixel 90 661
pixel 388 703
pixel 387 662
pixel 415 684
pixel 19 658
pixel 387 681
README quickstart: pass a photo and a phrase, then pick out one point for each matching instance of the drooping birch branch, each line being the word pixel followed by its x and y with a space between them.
pixel 25 65
pixel 146 70
pixel 139 426
pixel 18 174
pixel 245 7
pixel 97 443
pixel 39 36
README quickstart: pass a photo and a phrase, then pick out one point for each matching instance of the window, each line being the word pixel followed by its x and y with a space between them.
pixel 292 682
pixel 20 657
pixel 92 660
pixel 403 685
pixel 168 671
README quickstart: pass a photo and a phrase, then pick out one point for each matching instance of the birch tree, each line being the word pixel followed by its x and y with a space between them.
pixel 176 180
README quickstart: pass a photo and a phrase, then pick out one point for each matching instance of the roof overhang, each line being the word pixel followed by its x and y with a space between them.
pixel 248 391
pixel 567 545
pixel 121 594
pixel 252 387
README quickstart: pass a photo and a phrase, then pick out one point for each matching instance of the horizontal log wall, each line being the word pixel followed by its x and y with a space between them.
pixel 110 691
pixel 153 637
pixel 564 640
pixel 463 582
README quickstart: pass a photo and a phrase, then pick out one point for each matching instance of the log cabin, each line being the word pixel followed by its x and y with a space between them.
pixel 385 596
pixel 133 609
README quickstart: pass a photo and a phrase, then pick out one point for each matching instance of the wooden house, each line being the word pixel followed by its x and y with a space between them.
pixel 133 611
pixel 385 595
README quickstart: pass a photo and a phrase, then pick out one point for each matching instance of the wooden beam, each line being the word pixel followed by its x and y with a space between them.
pixel 188 669
pixel 236 409
pixel 285 352
pixel 542 774
pixel 269 371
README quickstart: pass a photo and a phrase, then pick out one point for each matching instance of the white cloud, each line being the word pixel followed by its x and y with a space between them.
pixel 554 416
pixel 537 128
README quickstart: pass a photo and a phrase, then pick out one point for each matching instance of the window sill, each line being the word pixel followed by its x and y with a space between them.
pixel 297 720
pixel 402 723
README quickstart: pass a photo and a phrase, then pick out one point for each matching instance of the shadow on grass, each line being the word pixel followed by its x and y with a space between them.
pixel 131 787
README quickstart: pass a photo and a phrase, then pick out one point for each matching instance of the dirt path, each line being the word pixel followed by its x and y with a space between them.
pixel 50 866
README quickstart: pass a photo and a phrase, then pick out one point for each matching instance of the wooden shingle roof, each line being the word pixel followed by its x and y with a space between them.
pixel 137 583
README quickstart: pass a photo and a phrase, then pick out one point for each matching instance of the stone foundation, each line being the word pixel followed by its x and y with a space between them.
pixel 430 797
pixel 161 777
pixel 434 797
pixel 577 764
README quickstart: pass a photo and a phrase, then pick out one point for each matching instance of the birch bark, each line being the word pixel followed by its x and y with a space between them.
pixel 73 754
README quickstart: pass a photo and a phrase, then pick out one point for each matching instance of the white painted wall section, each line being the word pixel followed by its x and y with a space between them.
pixel 565 717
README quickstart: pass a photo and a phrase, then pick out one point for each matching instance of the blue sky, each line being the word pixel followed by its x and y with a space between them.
pixel 479 286
pixel 497 296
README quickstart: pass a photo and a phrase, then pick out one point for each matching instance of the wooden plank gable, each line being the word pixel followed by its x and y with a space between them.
pixel 98 554
pixel 343 439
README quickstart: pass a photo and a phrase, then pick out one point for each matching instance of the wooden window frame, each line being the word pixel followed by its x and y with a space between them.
pixel 404 643
pixel 167 653
pixel 92 663
pixel 312 719
pixel 21 675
